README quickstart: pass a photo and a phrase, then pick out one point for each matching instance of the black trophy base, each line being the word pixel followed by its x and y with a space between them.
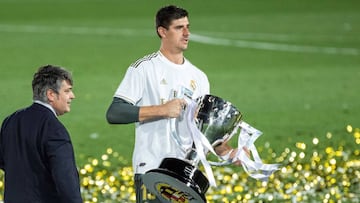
pixel 177 181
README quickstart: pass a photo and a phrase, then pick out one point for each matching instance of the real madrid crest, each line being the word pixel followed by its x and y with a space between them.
pixel 193 85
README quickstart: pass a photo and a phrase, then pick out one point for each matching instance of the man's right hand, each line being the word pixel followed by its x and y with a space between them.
pixel 174 107
pixel 170 109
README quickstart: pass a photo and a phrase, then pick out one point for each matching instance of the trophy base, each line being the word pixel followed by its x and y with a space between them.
pixel 177 181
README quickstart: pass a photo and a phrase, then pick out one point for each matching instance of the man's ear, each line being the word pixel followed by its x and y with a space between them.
pixel 162 31
pixel 51 95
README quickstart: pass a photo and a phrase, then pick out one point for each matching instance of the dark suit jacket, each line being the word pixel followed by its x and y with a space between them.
pixel 37 156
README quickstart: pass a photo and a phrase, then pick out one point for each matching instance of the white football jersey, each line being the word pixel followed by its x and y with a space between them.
pixel 152 80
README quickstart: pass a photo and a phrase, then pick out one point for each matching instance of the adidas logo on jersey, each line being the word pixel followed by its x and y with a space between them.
pixel 163 82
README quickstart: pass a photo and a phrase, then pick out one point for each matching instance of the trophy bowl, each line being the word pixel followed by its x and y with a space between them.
pixel 217 118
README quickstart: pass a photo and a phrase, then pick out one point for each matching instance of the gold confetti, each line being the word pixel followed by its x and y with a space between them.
pixel 309 172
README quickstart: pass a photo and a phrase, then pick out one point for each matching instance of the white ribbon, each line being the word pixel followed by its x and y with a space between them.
pixel 255 168
pixel 248 135
pixel 202 145
pixel 174 134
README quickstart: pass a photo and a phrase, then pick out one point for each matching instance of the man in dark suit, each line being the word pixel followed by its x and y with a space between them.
pixel 36 152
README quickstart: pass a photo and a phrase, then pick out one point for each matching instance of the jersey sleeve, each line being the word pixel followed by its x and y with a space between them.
pixel 132 85
pixel 203 83
pixel 206 86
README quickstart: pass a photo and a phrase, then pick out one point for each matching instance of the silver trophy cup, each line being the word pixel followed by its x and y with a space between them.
pixel 179 180
pixel 217 119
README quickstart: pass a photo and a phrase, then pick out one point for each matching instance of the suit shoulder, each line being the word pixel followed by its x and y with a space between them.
pixel 44 114
pixel 14 115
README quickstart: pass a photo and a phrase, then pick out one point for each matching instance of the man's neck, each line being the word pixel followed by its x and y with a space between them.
pixel 46 105
pixel 177 58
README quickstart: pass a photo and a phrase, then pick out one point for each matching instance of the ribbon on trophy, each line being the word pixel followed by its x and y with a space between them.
pixel 246 150
pixel 202 145
pixel 248 135
pixel 254 168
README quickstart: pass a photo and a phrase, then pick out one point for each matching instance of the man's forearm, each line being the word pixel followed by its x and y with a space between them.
pixel 151 113
pixel 122 112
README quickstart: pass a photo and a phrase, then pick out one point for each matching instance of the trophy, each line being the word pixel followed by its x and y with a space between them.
pixel 180 180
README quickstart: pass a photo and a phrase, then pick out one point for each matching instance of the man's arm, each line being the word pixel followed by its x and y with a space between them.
pixel 1 144
pixel 59 151
pixel 122 112
pixel 1 159
pixel 225 151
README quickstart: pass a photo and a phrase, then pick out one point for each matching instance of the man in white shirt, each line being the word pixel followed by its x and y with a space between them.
pixel 146 93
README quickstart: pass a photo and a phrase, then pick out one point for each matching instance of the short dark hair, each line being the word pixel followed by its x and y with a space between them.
pixel 167 14
pixel 49 77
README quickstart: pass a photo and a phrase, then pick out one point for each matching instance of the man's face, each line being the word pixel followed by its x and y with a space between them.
pixel 178 34
pixel 61 101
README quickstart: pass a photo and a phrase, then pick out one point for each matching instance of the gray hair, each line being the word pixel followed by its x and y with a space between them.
pixel 49 77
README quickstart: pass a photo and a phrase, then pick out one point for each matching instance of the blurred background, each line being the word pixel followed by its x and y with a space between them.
pixel 291 67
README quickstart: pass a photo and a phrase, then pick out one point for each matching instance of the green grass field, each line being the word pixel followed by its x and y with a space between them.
pixel 291 67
